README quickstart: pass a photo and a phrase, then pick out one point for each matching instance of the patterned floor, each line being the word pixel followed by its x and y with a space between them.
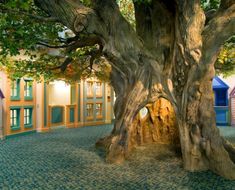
pixel 67 159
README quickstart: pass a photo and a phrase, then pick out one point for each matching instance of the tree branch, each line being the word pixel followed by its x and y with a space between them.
pixel 72 14
pixel 87 41
pixel 218 30
pixel 64 65
pixel 36 17
pixel 54 46
pixel 224 4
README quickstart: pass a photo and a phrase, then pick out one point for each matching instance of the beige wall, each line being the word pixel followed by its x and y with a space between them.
pixel 59 93
pixel 108 102
pixel 1 105
pixel 230 81
pixel 1 116
pixel 39 106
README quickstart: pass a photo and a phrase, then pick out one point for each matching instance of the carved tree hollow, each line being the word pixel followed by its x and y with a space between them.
pixel 156 123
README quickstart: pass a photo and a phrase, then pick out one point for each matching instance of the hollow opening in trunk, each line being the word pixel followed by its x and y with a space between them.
pixel 156 123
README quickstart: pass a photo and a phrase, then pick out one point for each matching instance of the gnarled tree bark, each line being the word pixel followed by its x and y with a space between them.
pixel 171 55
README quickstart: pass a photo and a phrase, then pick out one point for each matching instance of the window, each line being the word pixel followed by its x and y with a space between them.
pixel 89 110
pixel 28 90
pixel 15 119
pixel 89 89
pixel 98 109
pixel 221 97
pixel 15 90
pixel 28 117
pixel 98 89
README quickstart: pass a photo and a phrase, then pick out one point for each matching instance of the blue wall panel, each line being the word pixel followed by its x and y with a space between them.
pixel 57 114
pixel 221 115
pixel 71 114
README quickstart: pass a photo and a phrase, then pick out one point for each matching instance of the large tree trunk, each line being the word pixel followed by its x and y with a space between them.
pixel 166 66
pixel 176 45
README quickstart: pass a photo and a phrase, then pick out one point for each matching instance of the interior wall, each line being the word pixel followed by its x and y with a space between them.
pixel 59 93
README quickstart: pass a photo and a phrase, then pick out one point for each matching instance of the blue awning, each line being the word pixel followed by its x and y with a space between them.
pixel 219 83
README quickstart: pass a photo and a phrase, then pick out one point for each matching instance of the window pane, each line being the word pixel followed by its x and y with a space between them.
pixel 98 89
pixel 14 88
pixel 89 110
pixel 89 89
pixel 27 114
pixel 27 89
pixel 99 109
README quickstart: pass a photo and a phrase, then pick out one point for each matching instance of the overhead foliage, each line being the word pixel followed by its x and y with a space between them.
pixel 28 37
pixel 225 63
pixel 210 4
pixel 26 29
pixel 127 9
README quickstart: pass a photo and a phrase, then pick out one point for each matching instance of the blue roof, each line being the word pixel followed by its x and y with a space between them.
pixel 218 83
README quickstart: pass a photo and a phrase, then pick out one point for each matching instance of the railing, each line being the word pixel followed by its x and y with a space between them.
pixel 71 115
pixel 60 115
pixel 56 115
pixel 222 115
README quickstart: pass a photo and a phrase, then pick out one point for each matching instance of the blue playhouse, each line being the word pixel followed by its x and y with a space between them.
pixel 221 105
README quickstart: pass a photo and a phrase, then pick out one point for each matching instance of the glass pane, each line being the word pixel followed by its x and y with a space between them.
pixel 89 88
pixel 89 109
pixel 98 88
pixel 98 109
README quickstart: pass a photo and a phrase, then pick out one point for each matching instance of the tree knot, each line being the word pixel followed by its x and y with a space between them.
pixel 80 22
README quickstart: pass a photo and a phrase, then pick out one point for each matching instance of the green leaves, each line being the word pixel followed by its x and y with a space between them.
pixel 225 63
pixel 86 2
pixel 20 29
pixel 142 1
pixel 127 10
pixel 210 4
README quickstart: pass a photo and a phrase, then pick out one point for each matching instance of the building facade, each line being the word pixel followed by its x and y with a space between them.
pixel 224 101
pixel 30 106
pixel 232 105
pixel 1 113
pixel 221 104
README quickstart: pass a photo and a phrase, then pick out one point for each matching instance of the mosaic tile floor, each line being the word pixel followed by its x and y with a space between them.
pixel 66 159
